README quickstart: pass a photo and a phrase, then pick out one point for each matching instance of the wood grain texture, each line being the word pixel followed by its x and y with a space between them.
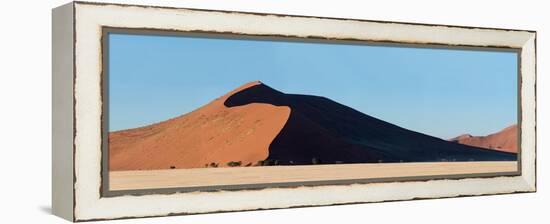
pixel 156 179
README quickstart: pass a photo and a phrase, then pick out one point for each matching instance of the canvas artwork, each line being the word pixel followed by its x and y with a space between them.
pixel 161 111
pixel 197 110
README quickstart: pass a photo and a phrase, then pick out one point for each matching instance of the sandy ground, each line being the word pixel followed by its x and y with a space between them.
pixel 505 140
pixel 154 179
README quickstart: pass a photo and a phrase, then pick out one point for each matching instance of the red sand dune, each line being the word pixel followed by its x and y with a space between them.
pixel 212 133
pixel 505 140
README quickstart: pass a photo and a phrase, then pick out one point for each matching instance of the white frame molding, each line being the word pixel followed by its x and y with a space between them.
pixel 82 140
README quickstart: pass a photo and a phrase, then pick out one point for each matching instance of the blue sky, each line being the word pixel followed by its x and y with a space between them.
pixel 440 92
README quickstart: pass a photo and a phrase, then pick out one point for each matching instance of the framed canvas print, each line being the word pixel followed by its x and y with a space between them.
pixel 169 111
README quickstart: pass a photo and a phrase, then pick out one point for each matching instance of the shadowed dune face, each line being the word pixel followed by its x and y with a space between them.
pixel 505 140
pixel 326 131
pixel 213 135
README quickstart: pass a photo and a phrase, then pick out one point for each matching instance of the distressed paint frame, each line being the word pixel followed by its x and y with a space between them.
pixel 106 186
pixel 89 20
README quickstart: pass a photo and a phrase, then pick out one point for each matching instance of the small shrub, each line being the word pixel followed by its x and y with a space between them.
pixel 315 161
pixel 233 163
pixel 172 167
pixel 266 162
pixel 269 162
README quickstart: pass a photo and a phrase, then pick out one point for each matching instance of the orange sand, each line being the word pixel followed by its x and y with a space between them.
pixel 505 140
pixel 213 133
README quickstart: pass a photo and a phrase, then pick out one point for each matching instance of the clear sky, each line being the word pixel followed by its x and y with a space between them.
pixel 440 92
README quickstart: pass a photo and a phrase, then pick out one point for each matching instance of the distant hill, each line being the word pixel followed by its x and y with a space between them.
pixel 257 125
pixel 505 140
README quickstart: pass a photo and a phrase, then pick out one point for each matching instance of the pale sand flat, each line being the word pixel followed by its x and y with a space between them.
pixel 155 179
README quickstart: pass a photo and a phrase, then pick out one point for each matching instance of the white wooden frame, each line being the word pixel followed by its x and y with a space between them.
pixel 77 115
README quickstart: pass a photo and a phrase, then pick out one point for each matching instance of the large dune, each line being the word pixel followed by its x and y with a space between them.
pixel 213 133
pixel 257 123
pixel 505 140
pixel 323 130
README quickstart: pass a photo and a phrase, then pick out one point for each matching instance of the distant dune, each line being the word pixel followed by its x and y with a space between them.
pixel 505 140
pixel 257 125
